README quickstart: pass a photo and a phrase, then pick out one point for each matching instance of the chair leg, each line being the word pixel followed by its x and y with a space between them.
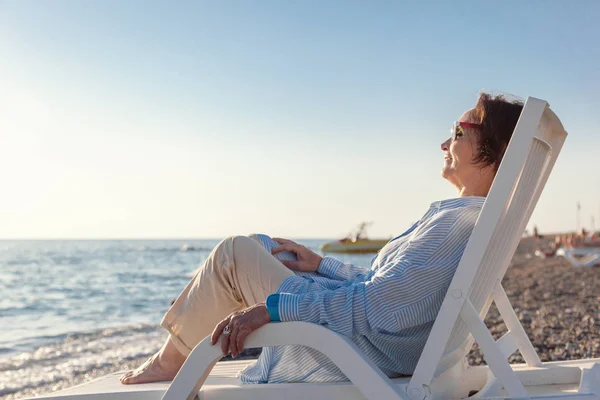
pixel 492 353
pixel 512 323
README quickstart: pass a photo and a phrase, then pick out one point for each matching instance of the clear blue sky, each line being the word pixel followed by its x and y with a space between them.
pixel 136 119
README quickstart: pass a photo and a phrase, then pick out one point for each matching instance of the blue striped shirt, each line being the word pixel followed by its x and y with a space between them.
pixel 387 309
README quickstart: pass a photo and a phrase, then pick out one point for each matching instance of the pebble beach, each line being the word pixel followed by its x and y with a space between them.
pixel 557 304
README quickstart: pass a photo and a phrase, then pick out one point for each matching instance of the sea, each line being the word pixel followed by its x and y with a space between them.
pixel 69 307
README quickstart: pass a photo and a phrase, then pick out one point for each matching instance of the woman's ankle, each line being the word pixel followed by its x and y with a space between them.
pixel 169 356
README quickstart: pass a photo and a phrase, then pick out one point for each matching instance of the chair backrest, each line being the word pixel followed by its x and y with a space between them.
pixel 526 165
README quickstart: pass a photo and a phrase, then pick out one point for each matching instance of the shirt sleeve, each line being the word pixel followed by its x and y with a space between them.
pixel 404 293
pixel 334 269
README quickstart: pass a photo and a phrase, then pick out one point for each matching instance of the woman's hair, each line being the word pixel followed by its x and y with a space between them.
pixel 498 118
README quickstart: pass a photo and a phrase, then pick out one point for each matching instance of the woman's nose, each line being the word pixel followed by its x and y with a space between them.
pixel 445 145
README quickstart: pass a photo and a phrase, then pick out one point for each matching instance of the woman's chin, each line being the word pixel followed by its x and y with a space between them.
pixel 448 174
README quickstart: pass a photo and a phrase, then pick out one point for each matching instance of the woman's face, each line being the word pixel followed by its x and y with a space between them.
pixel 459 153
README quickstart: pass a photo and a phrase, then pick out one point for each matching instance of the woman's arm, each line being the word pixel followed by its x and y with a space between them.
pixel 300 258
pixel 292 254
pixel 335 269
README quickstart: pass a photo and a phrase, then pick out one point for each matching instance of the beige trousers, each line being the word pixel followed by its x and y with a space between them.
pixel 238 273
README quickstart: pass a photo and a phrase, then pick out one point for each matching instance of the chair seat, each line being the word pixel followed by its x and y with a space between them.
pixel 222 383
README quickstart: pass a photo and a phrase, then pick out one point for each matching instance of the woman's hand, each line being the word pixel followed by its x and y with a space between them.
pixel 239 325
pixel 308 261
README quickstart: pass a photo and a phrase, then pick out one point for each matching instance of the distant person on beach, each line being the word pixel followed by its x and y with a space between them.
pixel 387 308
pixel 551 249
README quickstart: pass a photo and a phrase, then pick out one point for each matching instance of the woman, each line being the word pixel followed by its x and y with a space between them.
pixel 387 309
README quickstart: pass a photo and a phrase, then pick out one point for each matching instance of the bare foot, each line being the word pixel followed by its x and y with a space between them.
pixel 162 366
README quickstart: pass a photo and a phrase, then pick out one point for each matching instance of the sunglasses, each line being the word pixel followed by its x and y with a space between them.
pixel 458 128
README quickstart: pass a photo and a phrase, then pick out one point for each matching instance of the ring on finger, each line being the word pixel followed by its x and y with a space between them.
pixel 227 330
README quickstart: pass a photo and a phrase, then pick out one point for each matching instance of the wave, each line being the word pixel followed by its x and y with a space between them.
pixel 77 353
pixel 60 346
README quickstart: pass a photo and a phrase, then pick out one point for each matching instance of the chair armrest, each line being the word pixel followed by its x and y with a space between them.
pixel 360 370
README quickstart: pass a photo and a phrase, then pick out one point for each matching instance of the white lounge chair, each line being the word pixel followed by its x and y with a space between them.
pixel 581 257
pixel 442 372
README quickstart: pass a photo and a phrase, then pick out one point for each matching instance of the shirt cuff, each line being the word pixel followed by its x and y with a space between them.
pixel 272 304
pixel 283 307
pixel 329 266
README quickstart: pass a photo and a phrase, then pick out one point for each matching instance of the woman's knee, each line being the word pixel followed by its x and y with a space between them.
pixel 244 246
pixel 232 245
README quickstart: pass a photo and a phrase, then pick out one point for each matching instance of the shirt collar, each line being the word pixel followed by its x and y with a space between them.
pixel 458 202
